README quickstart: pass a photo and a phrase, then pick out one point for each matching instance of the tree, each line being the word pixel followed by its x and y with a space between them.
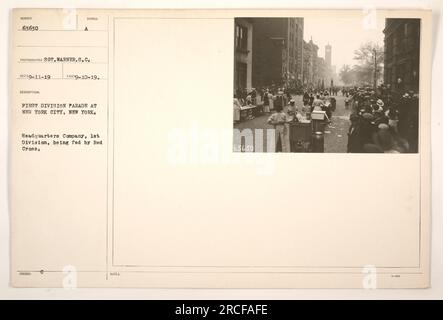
pixel 369 58
pixel 347 76
pixel 362 75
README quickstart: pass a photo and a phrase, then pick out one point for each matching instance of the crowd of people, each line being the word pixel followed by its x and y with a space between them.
pixel 381 120
pixel 321 100
pixel 267 98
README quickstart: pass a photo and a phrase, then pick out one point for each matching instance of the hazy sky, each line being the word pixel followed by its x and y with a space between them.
pixel 344 34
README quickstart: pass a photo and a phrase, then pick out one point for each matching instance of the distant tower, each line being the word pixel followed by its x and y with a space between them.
pixel 328 50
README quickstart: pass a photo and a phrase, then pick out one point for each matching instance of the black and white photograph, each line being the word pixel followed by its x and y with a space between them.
pixel 334 85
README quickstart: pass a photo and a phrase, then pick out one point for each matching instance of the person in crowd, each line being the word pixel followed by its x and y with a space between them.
pixel 388 141
pixel 379 105
pixel 383 138
pixel 317 103
pixel 347 101
pixel 354 143
pixel 380 117
pixel 271 100
pixel 266 107
pixel 237 109
pixel 291 108
pixel 311 99
pixel 253 95
pixel 333 104
pixel 249 104
pixel 249 100
pixel 306 98
pixel 288 94
pixel 392 114
pixel 366 128
pixel 278 119
pixel 404 113
pixel 327 107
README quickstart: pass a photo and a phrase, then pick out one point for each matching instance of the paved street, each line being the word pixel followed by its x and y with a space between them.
pixel 335 134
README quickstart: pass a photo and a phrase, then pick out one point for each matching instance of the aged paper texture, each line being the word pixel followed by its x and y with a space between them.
pixel 123 171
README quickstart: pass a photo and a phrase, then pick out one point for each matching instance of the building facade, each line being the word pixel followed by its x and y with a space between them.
pixel 321 73
pixel 277 46
pixel 298 40
pixel 310 63
pixel 243 53
pixel 402 54
pixel 328 65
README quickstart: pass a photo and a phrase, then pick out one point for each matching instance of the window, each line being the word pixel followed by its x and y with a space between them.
pixel 241 37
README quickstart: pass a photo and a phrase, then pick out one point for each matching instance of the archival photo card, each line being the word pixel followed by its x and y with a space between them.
pixel 310 84
pixel 128 167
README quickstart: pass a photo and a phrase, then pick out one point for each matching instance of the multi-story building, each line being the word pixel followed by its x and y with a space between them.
pixel 328 66
pixel 310 57
pixel 243 53
pixel 298 40
pixel 277 46
pixel 307 66
pixel 402 54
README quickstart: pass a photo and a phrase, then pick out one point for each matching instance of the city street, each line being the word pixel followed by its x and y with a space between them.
pixel 335 133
